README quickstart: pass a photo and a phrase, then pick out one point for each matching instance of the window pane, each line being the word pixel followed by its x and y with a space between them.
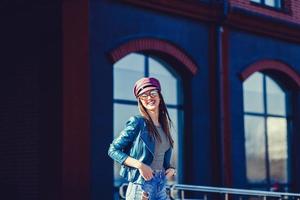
pixel 257 1
pixel 275 98
pixel 126 72
pixel 273 3
pixel 175 131
pixel 253 93
pixel 168 82
pixel 278 3
pixel 270 3
pixel 255 148
pixel 121 114
pixel 277 149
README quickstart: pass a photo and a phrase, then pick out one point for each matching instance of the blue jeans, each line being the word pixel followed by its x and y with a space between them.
pixel 154 189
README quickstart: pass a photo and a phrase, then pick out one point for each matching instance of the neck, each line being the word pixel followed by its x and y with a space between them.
pixel 154 116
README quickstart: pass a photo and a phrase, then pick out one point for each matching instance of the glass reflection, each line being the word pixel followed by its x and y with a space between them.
pixel 277 143
pixel 130 68
pixel 275 98
pixel 255 148
pixel 266 130
pixel 270 3
pixel 174 114
pixel 168 81
pixel 253 93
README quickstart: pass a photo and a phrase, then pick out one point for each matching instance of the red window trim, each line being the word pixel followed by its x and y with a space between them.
pixel 150 44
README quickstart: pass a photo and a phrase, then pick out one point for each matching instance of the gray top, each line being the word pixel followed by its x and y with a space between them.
pixel 160 149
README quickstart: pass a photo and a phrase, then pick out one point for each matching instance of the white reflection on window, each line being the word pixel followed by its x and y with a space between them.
pixel 277 143
pixel 167 80
pixel 275 98
pixel 270 3
pixel 273 3
pixel 255 148
pixel 253 93
pixel 176 116
pixel 126 72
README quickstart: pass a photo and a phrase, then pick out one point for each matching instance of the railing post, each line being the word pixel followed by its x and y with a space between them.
pixel 205 197
pixel 182 194
pixel 122 191
pixel 226 196
pixel 265 198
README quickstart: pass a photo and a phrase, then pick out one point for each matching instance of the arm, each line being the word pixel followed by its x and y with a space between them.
pixel 145 170
pixel 170 170
pixel 124 140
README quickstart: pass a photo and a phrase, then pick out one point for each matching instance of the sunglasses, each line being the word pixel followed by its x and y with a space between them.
pixel 152 94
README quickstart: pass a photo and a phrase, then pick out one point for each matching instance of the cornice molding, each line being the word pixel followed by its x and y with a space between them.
pixel 262 24
pixel 237 18
pixel 196 10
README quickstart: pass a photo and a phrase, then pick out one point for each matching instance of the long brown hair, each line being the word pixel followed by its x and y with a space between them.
pixel 163 118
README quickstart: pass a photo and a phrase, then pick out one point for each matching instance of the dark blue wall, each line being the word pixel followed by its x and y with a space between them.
pixel 31 107
pixel 245 49
pixel 112 24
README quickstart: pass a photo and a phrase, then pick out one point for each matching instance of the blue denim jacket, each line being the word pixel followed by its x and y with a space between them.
pixel 135 141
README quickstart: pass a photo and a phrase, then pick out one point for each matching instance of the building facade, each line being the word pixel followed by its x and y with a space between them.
pixel 230 73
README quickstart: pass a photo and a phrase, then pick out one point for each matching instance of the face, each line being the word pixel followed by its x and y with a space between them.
pixel 150 100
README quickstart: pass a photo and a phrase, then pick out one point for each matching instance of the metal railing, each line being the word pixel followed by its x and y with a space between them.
pixel 177 191
pixel 239 193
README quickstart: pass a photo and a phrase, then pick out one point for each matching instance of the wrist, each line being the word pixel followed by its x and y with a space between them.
pixel 139 165
pixel 174 170
pixel 174 173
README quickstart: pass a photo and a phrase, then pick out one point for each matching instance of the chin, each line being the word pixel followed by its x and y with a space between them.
pixel 151 108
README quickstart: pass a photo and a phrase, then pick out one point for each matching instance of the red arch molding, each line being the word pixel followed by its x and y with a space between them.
pixel 154 45
pixel 272 65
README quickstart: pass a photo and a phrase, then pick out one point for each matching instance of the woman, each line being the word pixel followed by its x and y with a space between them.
pixel 144 147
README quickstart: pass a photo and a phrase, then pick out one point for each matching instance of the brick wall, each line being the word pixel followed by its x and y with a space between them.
pixel 291 7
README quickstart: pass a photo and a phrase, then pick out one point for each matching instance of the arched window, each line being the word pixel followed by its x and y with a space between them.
pixel 128 70
pixel 267 117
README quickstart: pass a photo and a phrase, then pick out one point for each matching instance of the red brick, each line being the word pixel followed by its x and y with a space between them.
pixel 292 6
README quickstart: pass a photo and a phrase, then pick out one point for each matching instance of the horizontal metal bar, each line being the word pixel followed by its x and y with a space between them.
pixel 222 190
pixel 231 191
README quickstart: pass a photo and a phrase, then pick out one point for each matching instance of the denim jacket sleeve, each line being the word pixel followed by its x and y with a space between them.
pixel 117 149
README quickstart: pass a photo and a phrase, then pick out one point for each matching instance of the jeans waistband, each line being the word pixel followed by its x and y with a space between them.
pixel 159 173
pixel 158 170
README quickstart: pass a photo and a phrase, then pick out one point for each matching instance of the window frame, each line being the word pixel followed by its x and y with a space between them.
pixel 288 116
pixel 279 7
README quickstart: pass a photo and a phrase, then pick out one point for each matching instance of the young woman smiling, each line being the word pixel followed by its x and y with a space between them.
pixel 144 146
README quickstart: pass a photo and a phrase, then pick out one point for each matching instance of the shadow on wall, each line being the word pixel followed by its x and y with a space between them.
pixel 8 191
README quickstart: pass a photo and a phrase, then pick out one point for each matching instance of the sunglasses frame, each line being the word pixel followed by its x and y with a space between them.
pixel 145 95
